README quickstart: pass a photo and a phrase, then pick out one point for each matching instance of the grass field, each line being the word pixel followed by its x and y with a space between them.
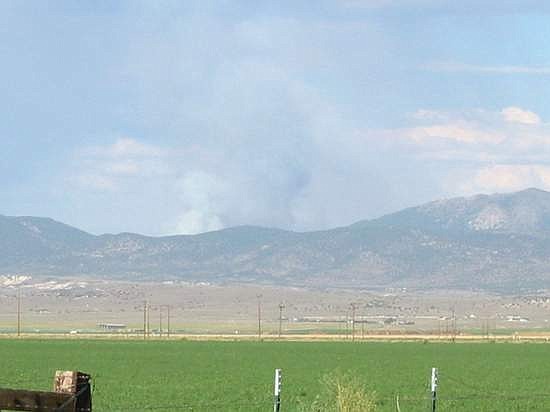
pixel 237 376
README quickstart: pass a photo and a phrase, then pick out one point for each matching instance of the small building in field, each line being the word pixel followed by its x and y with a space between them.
pixel 112 326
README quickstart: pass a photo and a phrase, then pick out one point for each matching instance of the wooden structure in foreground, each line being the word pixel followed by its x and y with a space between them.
pixel 71 393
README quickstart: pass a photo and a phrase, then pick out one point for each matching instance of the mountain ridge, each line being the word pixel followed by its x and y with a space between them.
pixel 492 242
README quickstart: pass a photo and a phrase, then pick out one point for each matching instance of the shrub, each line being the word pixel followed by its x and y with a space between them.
pixel 342 393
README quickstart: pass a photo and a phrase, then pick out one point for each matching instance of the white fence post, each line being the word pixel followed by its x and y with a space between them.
pixel 277 390
pixel 433 387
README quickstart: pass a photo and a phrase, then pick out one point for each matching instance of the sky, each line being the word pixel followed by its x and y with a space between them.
pixel 170 117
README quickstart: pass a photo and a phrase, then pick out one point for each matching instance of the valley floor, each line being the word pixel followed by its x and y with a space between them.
pixel 84 306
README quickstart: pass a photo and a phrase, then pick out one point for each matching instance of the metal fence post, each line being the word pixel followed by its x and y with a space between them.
pixel 433 387
pixel 277 391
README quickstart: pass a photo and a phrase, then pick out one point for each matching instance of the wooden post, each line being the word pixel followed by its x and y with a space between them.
pixel 148 311
pixel 77 384
pixel 72 393
pixel 259 318
pixel 160 321
pixel 144 320
pixel 281 307
pixel 168 321
pixel 37 401
pixel 347 326
pixel 454 325
pixel 19 311
pixel 353 307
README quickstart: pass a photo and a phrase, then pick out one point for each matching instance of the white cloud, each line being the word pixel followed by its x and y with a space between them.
pixel 463 133
pixel 475 68
pixel 485 151
pixel 124 167
pixel 108 167
pixel 368 3
pixel 126 147
pixel 429 115
pixel 505 178
pixel 514 114
pixel 93 181
pixel 512 133
pixel 489 7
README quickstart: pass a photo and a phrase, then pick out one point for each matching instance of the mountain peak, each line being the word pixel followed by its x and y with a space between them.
pixel 525 212
pixel 533 190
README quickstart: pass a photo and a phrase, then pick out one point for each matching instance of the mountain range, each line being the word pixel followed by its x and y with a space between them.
pixel 497 242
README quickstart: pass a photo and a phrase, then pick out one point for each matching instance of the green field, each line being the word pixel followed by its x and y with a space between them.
pixel 237 376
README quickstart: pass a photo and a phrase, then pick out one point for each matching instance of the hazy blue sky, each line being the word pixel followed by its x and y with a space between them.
pixel 179 116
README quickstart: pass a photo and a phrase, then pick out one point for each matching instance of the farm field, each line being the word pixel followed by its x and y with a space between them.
pixel 238 376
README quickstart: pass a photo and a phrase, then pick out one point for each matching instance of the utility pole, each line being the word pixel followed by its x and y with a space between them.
pixel 160 321
pixel 19 311
pixel 259 317
pixel 148 319
pixel 353 307
pixel 145 320
pixel 168 321
pixel 347 326
pixel 454 324
pixel 486 328
pixel 281 307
